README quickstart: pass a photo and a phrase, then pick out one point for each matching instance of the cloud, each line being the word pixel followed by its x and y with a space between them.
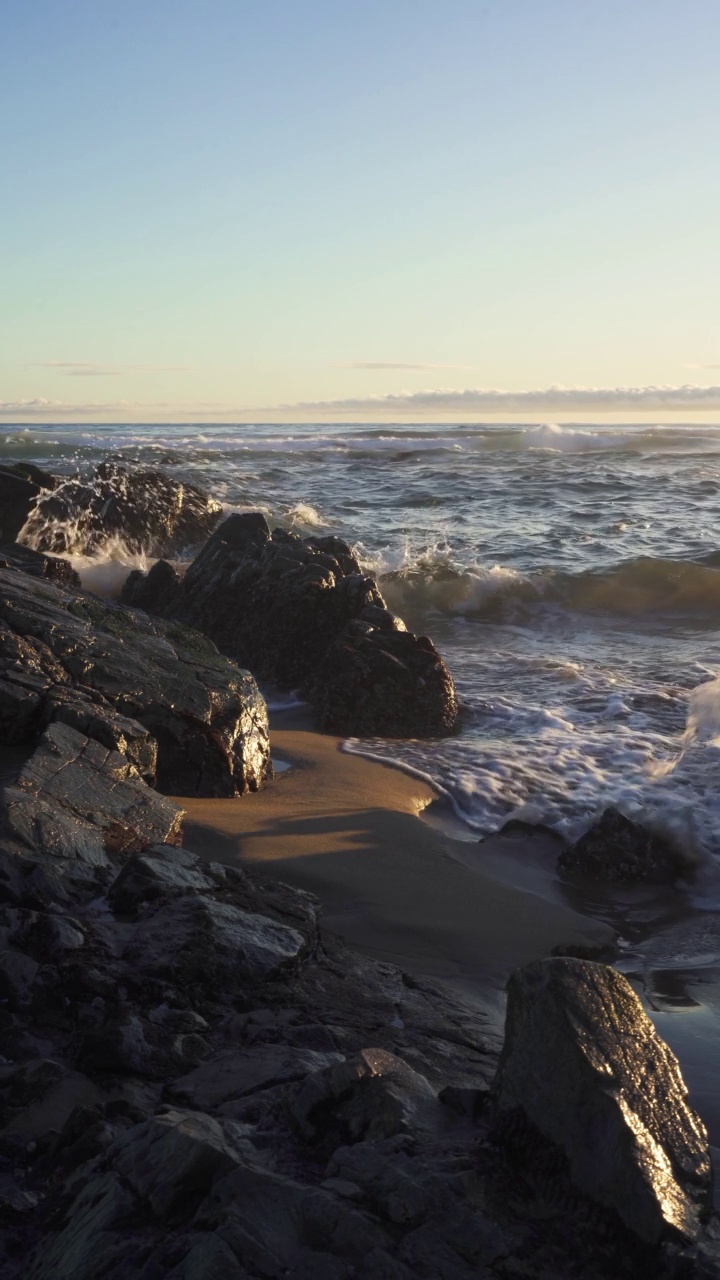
pixel 554 399
pixel 701 366
pixel 87 369
pixel 395 364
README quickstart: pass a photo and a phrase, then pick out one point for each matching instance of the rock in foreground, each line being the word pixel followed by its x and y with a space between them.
pixel 300 613
pixel 68 656
pixel 583 1064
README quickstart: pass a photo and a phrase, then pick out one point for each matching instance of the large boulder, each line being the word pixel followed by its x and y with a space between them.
pixel 583 1065
pixel 147 511
pixel 21 484
pixel 621 851
pixel 301 614
pixel 384 681
pixel 70 656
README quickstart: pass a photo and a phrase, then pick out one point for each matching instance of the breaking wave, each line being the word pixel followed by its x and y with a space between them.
pixel 432 583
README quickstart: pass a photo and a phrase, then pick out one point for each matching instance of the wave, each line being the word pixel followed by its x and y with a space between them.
pixel 432 583
pixel 202 441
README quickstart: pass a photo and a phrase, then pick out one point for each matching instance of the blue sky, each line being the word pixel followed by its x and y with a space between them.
pixel 299 209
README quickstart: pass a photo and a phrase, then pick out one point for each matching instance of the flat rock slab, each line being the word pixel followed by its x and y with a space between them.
pixel 584 1065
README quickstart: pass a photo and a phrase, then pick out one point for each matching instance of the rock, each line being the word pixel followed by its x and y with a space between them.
pixel 148 511
pixel 162 873
pixel 17 974
pixel 621 851
pixel 38 565
pixel 234 1073
pixel 384 682
pixel 371 1096
pixel 583 1064
pixel 70 656
pixel 284 606
pixel 100 787
pixel 20 486
pixel 171 1160
pixel 208 1259
pixel 165 1044
pixel 200 943
pixel 92 1242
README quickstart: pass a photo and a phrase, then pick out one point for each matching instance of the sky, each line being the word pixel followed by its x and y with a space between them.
pixel 293 210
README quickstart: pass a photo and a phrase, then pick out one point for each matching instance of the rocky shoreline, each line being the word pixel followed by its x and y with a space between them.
pixel 199 1080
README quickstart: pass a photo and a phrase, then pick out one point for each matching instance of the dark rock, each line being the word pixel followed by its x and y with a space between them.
pixel 200 943
pixel 372 1095
pixel 20 486
pixel 99 787
pixel 300 613
pixel 584 1065
pixel 173 1159
pixel 38 565
pixel 60 647
pixel 384 682
pixel 619 850
pixel 148 511
pixel 231 1075
pixel 166 1043
pixel 163 872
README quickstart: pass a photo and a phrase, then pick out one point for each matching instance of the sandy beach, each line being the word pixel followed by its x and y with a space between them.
pixel 396 887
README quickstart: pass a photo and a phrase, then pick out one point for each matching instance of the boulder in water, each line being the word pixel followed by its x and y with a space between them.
pixel 300 613
pixel 386 682
pixel 20 486
pixel 146 511
pixel 621 851
pixel 583 1065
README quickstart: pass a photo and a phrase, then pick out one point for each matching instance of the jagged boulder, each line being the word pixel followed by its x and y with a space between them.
pixel 583 1065
pixel 300 613
pixel 68 656
pixel 621 851
pixel 384 681
pixel 145 510
pixel 21 484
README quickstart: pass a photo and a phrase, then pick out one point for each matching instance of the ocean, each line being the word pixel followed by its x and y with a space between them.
pixel 570 577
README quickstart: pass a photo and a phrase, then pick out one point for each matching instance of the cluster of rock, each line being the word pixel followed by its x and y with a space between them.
pixel 144 510
pixel 301 614
pixel 198 1081
pixel 122 678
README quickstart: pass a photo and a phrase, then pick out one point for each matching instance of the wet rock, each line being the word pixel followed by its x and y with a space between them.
pixel 200 943
pixel 38 565
pixel 384 682
pixel 373 1095
pixel 583 1064
pixel 20 486
pixel 148 511
pixel 620 851
pixel 283 605
pixel 100 787
pixel 60 648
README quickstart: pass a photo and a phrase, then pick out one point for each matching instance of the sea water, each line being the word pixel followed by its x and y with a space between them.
pixel 570 576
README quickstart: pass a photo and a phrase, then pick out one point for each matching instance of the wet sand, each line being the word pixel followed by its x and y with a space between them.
pixel 397 888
